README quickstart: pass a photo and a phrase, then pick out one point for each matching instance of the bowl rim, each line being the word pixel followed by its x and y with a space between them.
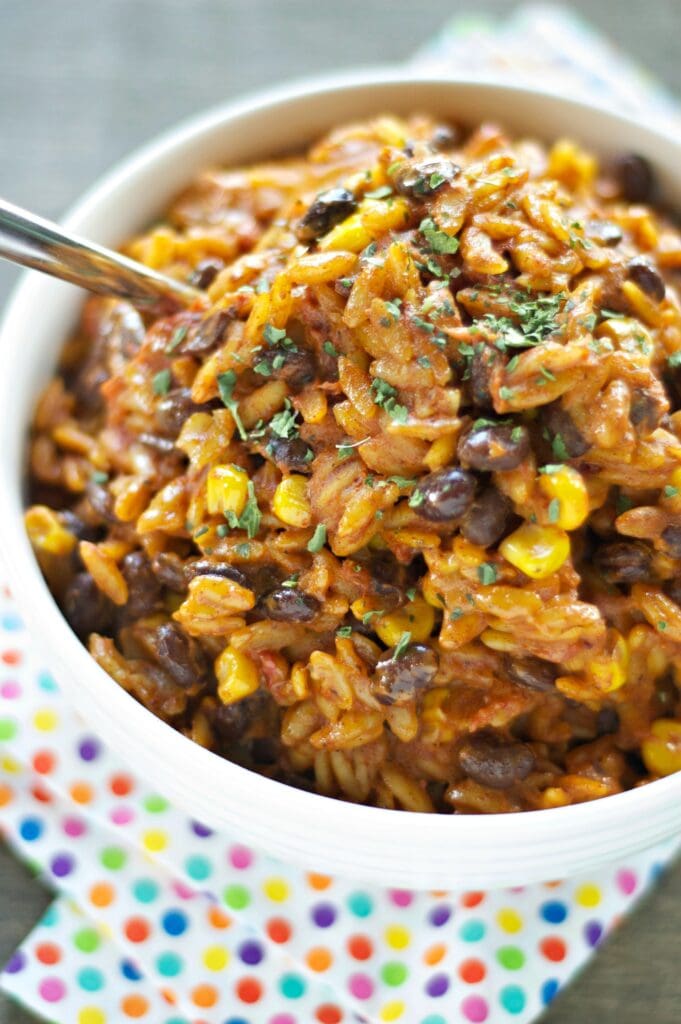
pixel 337 818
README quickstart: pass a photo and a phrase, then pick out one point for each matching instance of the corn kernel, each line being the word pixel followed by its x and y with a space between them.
pixel 661 750
pixel 236 674
pixel 417 618
pixel 46 533
pixel 373 218
pixel 538 551
pixel 290 502
pixel 226 489
pixel 566 486
pixel 609 672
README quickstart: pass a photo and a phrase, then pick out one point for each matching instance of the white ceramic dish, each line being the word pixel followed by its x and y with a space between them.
pixel 377 846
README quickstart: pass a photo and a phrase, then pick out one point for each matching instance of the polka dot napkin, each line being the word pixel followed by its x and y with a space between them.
pixel 157 919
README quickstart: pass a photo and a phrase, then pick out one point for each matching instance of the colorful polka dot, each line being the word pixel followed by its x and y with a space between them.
pixel 48 953
pixel 329 1014
pixel 90 979
pixel 52 989
pixel 553 948
pixel 251 952
pixel 236 897
pixel 360 904
pixel 394 974
pixel 292 986
pixel 509 920
pixel 324 915
pixel 204 996
pixel 145 890
pixel 154 840
pixel 249 990
pixel 319 959
pixel 397 936
pixel 216 958
pixel 8 729
pixel 276 889
pixel 169 964
pixel 392 1011
pixel 278 930
pixel 87 940
pixel 472 931
pixel 511 957
pixel 91 1015
pixel 360 947
pixel 361 986
pixel 593 932
pixel 475 1009
pixel 553 912
pixel 135 1006
pixel 437 986
pixel 626 881
pixel 549 990
pixel 198 868
pixel 513 999
pixel 588 895
pixel 174 922
pixel 439 916
pixel 472 971
pixel 30 829
pixel 113 858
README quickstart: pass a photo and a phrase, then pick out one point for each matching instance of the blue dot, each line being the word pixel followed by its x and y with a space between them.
pixel 130 971
pixel 237 1020
pixel 145 890
pixel 360 904
pixel 11 621
pixel 50 917
pixel 174 922
pixel 47 683
pixel 30 829
pixel 554 912
pixel 434 1018
pixel 90 979
pixel 657 871
pixel 549 990
pixel 512 999
pixel 472 931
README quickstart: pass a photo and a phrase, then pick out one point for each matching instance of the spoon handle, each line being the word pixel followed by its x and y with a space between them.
pixel 40 244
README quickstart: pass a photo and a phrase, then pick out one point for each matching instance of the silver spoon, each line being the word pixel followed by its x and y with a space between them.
pixel 39 244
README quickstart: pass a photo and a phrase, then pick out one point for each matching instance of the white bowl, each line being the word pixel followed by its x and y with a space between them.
pixel 377 846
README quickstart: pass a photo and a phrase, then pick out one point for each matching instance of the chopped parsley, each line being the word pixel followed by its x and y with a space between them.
pixel 611 314
pixel 283 424
pixel 559 449
pixel 402 481
pixel 482 422
pixel 160 383
pixel 344 631
pixel 330 349
pixel 436 179
pixel 554 510
pixel 536 320
pixel 382 192
pixel 438 241
pixel 417 499
pixel 393 311
pixel 662 626
pixel 276 336
pixel 226 385
pixel 177 338
pixel 318 539
pixel 670 492
pixel 455 614
pixel 385 396
pixel 411 593
pixel 368 616
pixel 345 449
pixel 674 359
pixel 243 550
pixel 424 361
pixel 516 434
pixel 98 477
pixel 506 394
pixel 401 646
pixel 552 467
pixel 250 518
pixel 292 582
pixel 623 504
pixel 222 530
pixel 487 573
pixel 545 375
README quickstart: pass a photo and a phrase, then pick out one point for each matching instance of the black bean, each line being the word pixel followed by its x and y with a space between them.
pixel 607 720
pixel 290 452
pixel 86 608
pixel 624 562
pixel 101 501
pixel 672 588
pixel 444 137
pixel 78 527
pixel 178 654
pixel 231 721
pixel 642 272
pixel 534 673
pixel 264 578
pixel 144 590
pixel 635 177
pixel 483 363
pixel 87 383
pixel 671 536
pixel 173 409
pixel 288 604
pixel 494 448
pixel 447 494
pixel 328 209
pixel 265 749
pixel 563 432
pixel 400 680
pixel 486 520
pixel 607 232
pixel 205 272
pixel 388 595
pixel 206 335
pixel 494 764
pixel 297 366
pixel 212 567
pixel 418 180
pixel 168 568
pixel 666 696
pixel 645 410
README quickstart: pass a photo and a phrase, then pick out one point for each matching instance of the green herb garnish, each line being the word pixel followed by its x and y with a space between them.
pixel 160 383
pixel 439 241
pixel 401 646
pixel 385 396
pixel 226 385
pixel 554 510
pixel 318 538
pixel 487 573
pixel 250 518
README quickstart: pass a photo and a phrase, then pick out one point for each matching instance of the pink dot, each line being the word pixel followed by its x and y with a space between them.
pixel 475 1009
pixel 10 690
pixel 183 891
pixel 52 990
pixel 283 1018
pixel 361 986
pixel 73 827
pixel 626 880
pixel 401 898
pixel 122 815
pixel 241 857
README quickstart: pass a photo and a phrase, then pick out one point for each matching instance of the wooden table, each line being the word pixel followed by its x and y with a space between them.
pixel 82 83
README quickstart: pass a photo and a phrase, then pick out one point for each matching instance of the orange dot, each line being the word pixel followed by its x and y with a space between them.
pixel 472 971
pixel 440 894
pixel 137 929
pixel 472 899
pixel 11 657
pixel 48 953
pixel 552 885
pixel 101 894
pixel 81 792
pixel 318 882
pixel 360 947
pixel 278 929
pixel 41 794
pixel 218 918
pixel 6 795
pixel 205 996
pixel 43 762
pixel 553 948
pixel 134 1006
pixel 328 1014
pixel 249 990
pixel 121 785
pixel 435 954
pixel 319 959
pixel 170 998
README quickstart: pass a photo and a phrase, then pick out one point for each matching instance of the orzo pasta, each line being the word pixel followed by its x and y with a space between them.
pixel 395 515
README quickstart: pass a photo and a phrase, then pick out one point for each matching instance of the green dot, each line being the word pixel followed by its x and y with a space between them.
pixel 155 804
pixel 394 973
pixel 113 858
pixel 512 998
pixel 292 986
pixel 86 940
pixel 236 896
pixel 511 957
pixel 198 868
pixel 8 729
pixel 360 904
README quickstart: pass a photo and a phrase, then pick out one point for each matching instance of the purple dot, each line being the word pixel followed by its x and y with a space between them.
pixel 16 963
pixel 437 985
pixel 401 898
pixel 323 915
pixel 88 749
pixel 475 1009
pixel 440 915
pixel 52 990
pixel 62 865
pixel 593 931
pixel 73 827
pixel 251 953
pixel 361 986
pixel 202 831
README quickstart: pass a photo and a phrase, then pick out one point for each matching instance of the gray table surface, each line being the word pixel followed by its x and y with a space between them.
pixel 83 82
